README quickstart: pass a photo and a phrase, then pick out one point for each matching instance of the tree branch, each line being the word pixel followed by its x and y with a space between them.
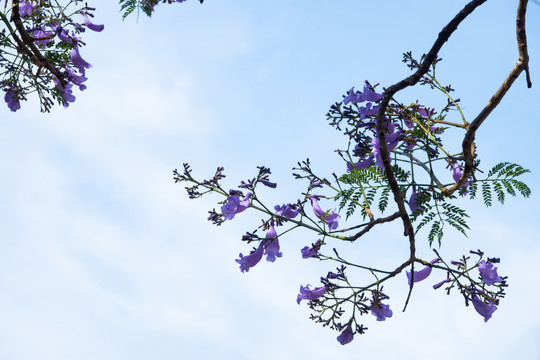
pixel 444 35
pixel 521 65
pixel 27 45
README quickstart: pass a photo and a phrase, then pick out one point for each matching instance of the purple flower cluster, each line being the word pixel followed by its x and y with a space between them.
pixel 62 74
pixel 489 276
pixel 268 247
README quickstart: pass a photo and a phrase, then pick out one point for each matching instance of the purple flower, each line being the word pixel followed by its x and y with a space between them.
pixel 413 201
pixel 367 95
pixel 352 96
pixel 489 274
pixel 436 129
pixel 486 310
pixel 271 245
pixel 380 310
pixel 247 262
pixel 364 164
pixel 425 112
pixel 61 33
pixel 76 79
pixel 392 141
pixel 309 252
pixel 90 25
pixel 330 219
pixel 78 61
pixel 67 93
pixel 42 38
pixel 307 294
pixel 370 95
pixel 27 8
pixel 235 206
pixel 268 183
pixel 422 274
pixel 368 110
pixel 456 172
pixel 12 99
pixel 286 211
pixel 346 336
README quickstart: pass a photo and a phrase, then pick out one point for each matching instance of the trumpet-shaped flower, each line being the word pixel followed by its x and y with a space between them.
pixel 78 61
pixel 346 336
pixel 307 294
pixel 12 99
pixel 380 310
pixel 392 141
pixel 309 252
pixel 286 211
pixel 413 201
pixel 235 206
pixel 331 219
pixel 90 25
pixel 421 274
pixel 363 164
pixel 484 309
pixel 271 245
pixel 489 273
pixel 249 261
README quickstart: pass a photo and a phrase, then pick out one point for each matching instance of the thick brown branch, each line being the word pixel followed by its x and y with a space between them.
pixel 521 65
pixel 444 35
pixel 372 223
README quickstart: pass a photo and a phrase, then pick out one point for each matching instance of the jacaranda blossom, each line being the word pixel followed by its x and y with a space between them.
pixel 286 211
pixel 307 294
pixel 346 336
pixel 268 183
pixel 486 310
pixel 249 261
pixel 363 164
pixel 392 141
pixel 353 96
pixel 27 8
pixel 456 172
pixel 78 61
pixel 380 310
pixel 90 25
pixel 271 245
pixel 370 95
pixel 412 201
pixel 235 206
pixel 309 252
pixel 12 99
pixel 331 219
pixel 422 274
pixel 489 273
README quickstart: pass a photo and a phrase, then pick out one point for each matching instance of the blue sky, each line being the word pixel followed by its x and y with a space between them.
pixel 104 257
